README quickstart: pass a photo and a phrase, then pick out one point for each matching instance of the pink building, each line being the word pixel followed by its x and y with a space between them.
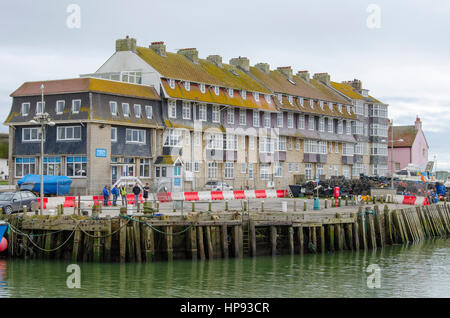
pixel 410 146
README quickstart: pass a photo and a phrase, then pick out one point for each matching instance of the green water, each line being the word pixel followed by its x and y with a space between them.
pixel 415 270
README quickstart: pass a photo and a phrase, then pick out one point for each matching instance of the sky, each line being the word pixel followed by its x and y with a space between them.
pixel 398 49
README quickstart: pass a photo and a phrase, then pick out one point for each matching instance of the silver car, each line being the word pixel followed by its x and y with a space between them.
pixel 15 201
pixel 218 186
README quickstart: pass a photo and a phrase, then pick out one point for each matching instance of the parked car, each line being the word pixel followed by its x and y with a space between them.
pixel 218 186
pixel 15 201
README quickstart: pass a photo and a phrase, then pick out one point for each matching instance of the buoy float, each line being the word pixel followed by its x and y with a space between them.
pixel 3 244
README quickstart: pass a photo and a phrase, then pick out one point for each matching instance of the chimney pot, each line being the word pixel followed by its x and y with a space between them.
pixel 286 71
pixel 242 62
pixel 303 75
pixel 127 44
pixel 159 48
pixel 190 53
pixel 322 77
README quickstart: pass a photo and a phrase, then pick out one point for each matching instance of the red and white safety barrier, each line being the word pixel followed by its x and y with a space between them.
pixel 411 200
pixel 69 201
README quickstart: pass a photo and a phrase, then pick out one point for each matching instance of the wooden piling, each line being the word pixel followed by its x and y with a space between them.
pixel 355 231
pixel 322 239
pixel 388 225
pixel 122 238
pixel 331 237
pixel 314 237
pixel 137 241
pixel 236 240
pixel 192 237
pixel 362 228
pixel 224 241
pixel 209 242
pixel 349 236
pixel 76 242
pixel 201 245
pixel 252 232
pixel 301 240
pixel 150 244
pixel 273 239
pixel 291 240
pixel 169 243
pixel 108 240
pixel 96 255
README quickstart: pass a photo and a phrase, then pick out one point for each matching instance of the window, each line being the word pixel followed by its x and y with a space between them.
pixel 358 128
pixel 202 112
pixel 310 146
pixel 301 101
pixel 113 134
pixel 212 170
pixel 347 149
pixel 290 99
pixel 320 170
pixel 60 106
pixel 137 110
pixel 280 98
pixel 330 106
pixel 330 171
pixel 197 138
pixel 267 97
pixel 145 168
pixel 266 145
pixel 76 166
pixel 229 170
pixel 348 129
pixel 321 104
pixel 187 85
pixel 266 119
pixel 301 122
pixel 135 136
pixel 340 107
pixel 31 134
pixel 172 108
pixel 264 171
pixel 161 172
pixel 40 106
pixel 297 167
pixel 281 143
pixel 251 142
pixel 231 92
pixel 308 171
pixel 378 130
pixel 196 166
pixel 25 109
pixel 330 125
pixel 255 118
pixel 297 144
pixel 76 106
pixel 311 103
pixel 186 110
pixel 149 111
pixel 378 111
pixel 52 166
pixel 68 133
pixel 242 117
pixel 214 141
pixel 359 108
pixel 187 138
pixel 202 88
pixel 310 122
pixel 278 173
pixel 216 90
pixel 126 109
pixel 231 142
pixel 171 83
pixel 24 166
pixel 340 128
pixel 322 147
pixel 358 150
pixel 357 169
pixel 330 150
pixel 230 116
pixel 215 114
pixel 290 120
pixel 377 149
pixel 336 170
pixel 250 171
pixel 244 94
pixel 256 96
pixel 280 120
pixel 113 108
pixel 345 172
pixel 243 168
pixel 132 77
pixel 290 143
pixel 172 138
pixel 321 124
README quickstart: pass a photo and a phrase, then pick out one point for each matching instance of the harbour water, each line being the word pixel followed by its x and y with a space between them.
pixel 414 270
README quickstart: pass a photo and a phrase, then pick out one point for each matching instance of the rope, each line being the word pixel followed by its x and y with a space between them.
pixel 155 229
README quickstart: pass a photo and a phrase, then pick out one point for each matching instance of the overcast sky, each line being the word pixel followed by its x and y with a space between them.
pixel 404 63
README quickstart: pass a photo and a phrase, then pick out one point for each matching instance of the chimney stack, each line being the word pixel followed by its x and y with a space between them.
pixel 286 71
pixel 190 53
pixel 159 48
pixel 304 75
pixel 322 77
pixel 127 44
pixel 264 67
pixel 356 84
pixel 216 59
pixel 241 62
pixel 418 123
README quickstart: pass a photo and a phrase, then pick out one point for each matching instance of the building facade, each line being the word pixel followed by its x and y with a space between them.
pixel 249 126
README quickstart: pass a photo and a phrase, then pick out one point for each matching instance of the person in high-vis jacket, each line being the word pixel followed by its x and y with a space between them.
pixel 123 194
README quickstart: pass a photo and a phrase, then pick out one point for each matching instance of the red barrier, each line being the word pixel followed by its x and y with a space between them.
pixel 217 195
pixel 409 199
pixel 191 196
pixel 260 194
pixel 164 196
pixel 45 202
pixel 239 194
pixel 69 202
pixel 281 193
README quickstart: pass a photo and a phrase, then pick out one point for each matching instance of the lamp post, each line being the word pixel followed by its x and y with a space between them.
pixel 42 119
pixel 392 153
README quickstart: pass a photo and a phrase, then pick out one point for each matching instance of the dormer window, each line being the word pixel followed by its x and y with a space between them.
pixel 291 99
pixel 348 109
pixel 280 98
pixel 267 98
pixel 256 96
pixel 321 104
pixel 230 92
pixel 202 88
pixel 311 103
pixel 187 85
pixel 171 83
pixel 330 106
pixel 25 109
pixel 216 90
pixel 301 101
pixel 340 107
pixel 244 94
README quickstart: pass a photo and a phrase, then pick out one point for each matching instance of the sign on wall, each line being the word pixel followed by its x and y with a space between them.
pixel 100 153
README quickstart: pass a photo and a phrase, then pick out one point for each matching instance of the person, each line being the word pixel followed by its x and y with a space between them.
pixel 105 195
pixel 123 194
pixel 115 193
pixel 136 191
pixel 146 190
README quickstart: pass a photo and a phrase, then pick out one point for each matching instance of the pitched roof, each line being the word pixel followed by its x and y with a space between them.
pixel 350 92
pixel 77 85
pixel 407 133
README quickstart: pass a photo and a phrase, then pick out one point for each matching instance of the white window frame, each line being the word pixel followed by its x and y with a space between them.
pixel 58 102
pixel 242 116
pixel 113 139
pixel 266 120
pixel 311 122
pixel 290 120
pixel 137 113
pixel 149 111
pixel 172 108
pixel 74 110
pixel 113 106
pixel 202 115
pixel 172 138
pixel 42 107
pixel 228 170
pixel 38 134
pixel 187 85
pixel 322 124
pixel 65 133
pixel 171 83
pixel 301 122
pixel 230 116
pixel 244 94
pixel 127 107
pixel 280 119
pixel 216 90
pixel 202 88
pixel 256 118
pixel 215 114
pixel 186 110
pixel 231 92
pixel 22 108
pixel 132 140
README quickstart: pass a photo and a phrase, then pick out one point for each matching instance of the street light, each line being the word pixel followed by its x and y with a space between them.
pixel 42 119
pixel 392 152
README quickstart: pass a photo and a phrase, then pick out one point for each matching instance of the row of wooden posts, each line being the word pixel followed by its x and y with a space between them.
pixel 143 238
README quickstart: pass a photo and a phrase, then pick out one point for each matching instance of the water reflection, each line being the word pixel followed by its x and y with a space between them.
pixel 413 270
